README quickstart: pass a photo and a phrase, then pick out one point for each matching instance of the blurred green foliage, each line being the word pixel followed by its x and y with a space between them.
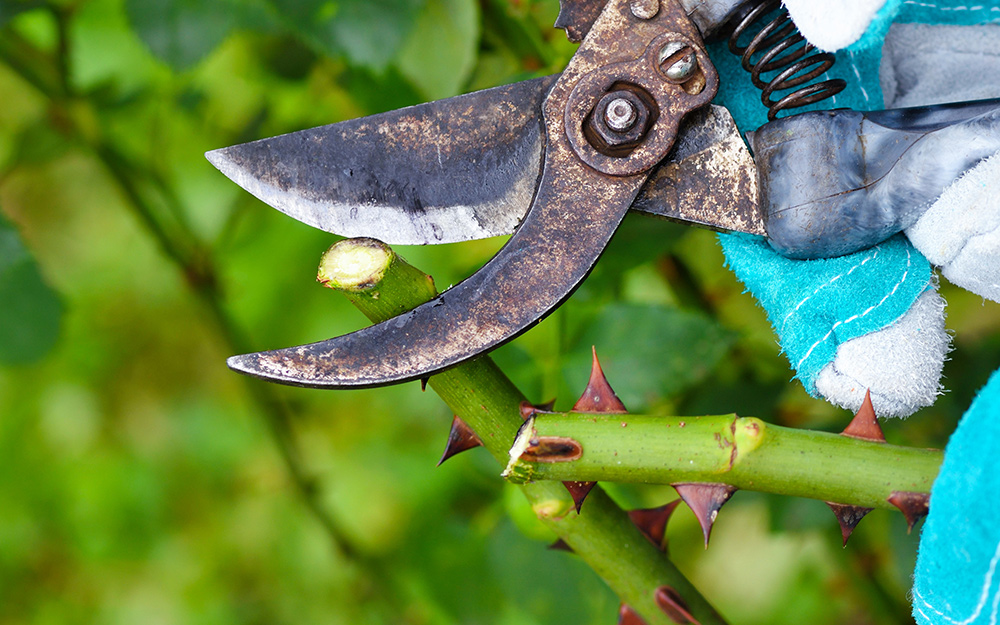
pixel 141 481
pixel 29 319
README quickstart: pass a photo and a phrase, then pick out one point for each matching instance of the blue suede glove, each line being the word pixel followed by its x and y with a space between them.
pixel 957 581
pixel 873 319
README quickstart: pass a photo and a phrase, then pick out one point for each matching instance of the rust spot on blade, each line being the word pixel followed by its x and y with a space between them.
pixel 460 438
pixel 705 500
pixel 674 606
pixel 579 491
pixel 865 425
pixel 598 396
pixel 914 506
pixel 652 522
pixel 848 517
pixel 628 616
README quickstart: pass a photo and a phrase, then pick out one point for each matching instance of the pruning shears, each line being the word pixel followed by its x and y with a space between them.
pixel 559 161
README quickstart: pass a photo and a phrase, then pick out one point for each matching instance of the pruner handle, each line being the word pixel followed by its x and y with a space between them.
pixel 835 182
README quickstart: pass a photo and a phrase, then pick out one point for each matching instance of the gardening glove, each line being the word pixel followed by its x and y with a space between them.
pixel 956 580
pixel 873 319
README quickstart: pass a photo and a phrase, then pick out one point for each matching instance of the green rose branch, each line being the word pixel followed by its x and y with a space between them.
pixel 557 458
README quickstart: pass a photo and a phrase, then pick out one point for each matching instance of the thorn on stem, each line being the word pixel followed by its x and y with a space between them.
pixel 423 384
pixel 914 506
pixel 673 606
pixel 628 616
pixel 598 396
pixel 652 522
pixel 848 517
pixel 865 425
pixel 528 409
pixel 705 500
pixel 560 545
pixel 579 491
pixel 460 438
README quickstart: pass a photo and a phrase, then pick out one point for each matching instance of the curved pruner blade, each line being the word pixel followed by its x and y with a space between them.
pixel 549 255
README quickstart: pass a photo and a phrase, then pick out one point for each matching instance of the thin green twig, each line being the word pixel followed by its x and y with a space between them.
pixel 180 245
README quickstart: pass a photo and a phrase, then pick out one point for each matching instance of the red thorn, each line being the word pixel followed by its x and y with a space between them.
pixel 528 409
pixel 652 522
pixel 579 492
pixel 460 438
pixel 423 384
pixel 848 517
pixel 560 545
pixel 673 606
pixel 598 396
pixel 705 501
pixel 865 425
pixel 628 616
pixel 914 506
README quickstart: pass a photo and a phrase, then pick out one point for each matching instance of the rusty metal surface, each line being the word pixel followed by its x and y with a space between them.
pixel 709 179
pixel 451 170
pixel 574 213
pixel 775 47
pixel 644 76
pixel 576 17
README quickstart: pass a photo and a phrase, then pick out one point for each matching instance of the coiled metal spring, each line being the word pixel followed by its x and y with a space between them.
pixel 795 66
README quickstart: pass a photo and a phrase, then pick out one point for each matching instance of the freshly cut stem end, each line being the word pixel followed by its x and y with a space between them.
pixel 520 445
pixel 354 264
pixel 365 270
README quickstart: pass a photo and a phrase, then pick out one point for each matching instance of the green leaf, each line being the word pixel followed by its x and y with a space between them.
pixel 640 239
pixel 368 33
pixel 31 311
pixel 440 52
pixel 648 352
pixel 10 8
pixel 181 32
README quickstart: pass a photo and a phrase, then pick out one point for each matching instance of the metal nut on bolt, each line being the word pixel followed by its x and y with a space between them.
pixel 618 123
pixel 620 114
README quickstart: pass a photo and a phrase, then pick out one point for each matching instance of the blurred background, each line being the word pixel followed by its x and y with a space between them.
pixel 141 481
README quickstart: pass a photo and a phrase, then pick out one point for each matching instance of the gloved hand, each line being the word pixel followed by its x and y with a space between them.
pixel 957 578
pixel 873 319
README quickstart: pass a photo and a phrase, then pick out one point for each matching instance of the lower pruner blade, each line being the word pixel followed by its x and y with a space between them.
pixel 547 258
